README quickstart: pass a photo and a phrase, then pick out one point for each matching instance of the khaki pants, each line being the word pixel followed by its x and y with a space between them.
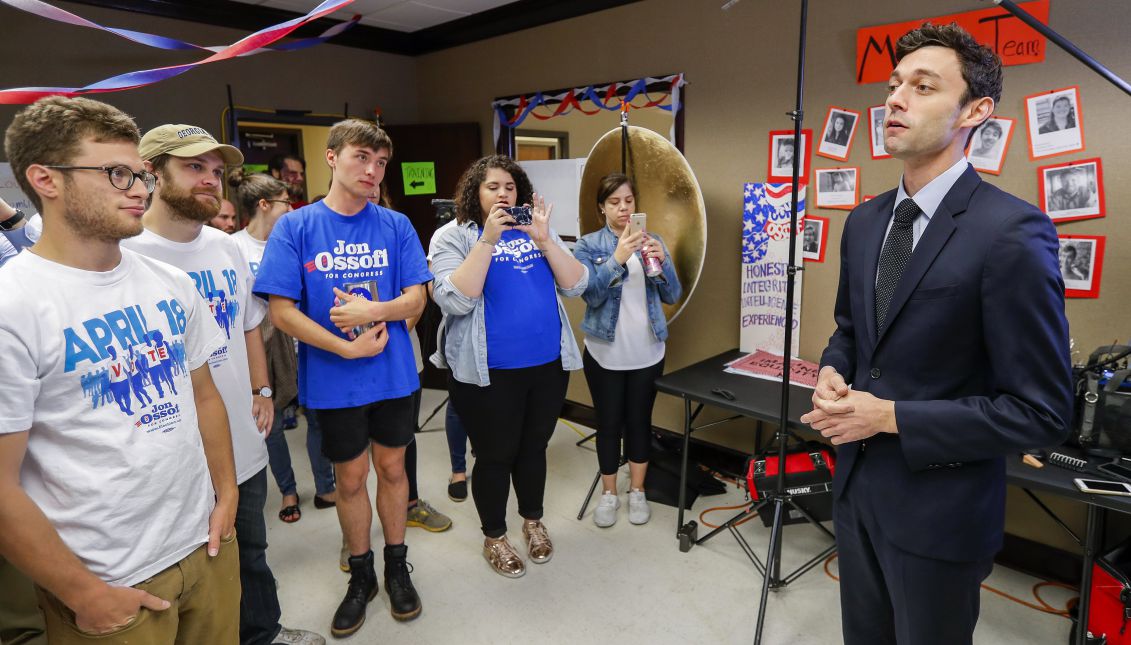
pixel 204 597
pixel 21 622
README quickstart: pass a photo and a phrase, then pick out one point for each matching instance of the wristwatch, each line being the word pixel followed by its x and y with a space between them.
pixel 264 392
pixel 9 223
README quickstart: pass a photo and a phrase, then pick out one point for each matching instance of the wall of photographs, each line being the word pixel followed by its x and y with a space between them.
pixel 1054 126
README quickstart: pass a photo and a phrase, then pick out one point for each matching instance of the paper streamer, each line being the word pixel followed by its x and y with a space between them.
pixel 570 100
pixel 255 43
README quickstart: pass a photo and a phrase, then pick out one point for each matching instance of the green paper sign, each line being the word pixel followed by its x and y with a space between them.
pixel 419 177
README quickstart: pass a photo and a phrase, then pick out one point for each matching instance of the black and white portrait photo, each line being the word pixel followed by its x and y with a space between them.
pixel 813 238
pixel 836 188
pixel 1072 191
pixel 1077 258
pixel 1055 123
pixel 876 118
pixel 837 133
pixel 783 149
pixel 990 143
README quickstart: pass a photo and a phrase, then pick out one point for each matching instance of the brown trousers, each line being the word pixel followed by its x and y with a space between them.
pixel 204 594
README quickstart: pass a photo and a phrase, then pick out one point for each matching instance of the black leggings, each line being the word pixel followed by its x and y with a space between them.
pixel 623 400
pixel 509 423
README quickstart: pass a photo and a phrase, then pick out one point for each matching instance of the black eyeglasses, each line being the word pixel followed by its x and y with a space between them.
pixel 121 177
pixel 279 201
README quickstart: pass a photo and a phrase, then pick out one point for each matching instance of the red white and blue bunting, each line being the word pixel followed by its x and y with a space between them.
pixel 602 97
pixel 256 43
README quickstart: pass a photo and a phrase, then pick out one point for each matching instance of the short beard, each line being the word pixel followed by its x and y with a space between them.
pixel 186 206
pixel 89 222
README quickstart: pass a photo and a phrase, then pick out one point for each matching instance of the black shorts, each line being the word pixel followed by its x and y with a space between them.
pixel 347 432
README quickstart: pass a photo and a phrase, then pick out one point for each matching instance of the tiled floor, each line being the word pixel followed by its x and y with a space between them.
pixel 625 585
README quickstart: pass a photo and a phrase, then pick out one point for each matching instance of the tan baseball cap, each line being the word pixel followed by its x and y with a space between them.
pixel 185 141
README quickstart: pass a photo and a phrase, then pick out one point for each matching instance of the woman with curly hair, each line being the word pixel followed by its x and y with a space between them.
pixel 508 345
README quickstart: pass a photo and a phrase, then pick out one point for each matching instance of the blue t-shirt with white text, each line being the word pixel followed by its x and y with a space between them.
pixel 314 249
pixel 520 306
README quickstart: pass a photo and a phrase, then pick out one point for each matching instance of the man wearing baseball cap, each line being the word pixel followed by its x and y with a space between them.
pixel 190 169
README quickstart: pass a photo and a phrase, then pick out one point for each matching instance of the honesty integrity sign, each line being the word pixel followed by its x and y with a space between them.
pixel 1013 40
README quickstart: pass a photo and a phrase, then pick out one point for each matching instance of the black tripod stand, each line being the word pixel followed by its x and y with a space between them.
pixel 779 499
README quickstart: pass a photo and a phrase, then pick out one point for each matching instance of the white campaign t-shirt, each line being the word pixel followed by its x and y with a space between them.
pixel 96 369
pixel 251 247
pixel 220 272
pixel 634 343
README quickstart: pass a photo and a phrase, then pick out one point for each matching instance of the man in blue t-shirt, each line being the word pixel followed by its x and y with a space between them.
pixel 342 275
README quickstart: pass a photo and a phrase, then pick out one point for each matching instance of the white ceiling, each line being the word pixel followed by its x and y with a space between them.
pixel 399 15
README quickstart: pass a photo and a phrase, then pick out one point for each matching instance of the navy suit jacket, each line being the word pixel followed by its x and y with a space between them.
pixel 975 355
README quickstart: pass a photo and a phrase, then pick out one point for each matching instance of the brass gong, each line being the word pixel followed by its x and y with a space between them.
pixel 666 190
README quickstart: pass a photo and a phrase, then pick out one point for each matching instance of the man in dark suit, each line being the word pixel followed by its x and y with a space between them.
pixel 951 332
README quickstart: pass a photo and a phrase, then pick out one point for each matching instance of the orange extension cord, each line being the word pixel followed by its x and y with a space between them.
pixel 1040 605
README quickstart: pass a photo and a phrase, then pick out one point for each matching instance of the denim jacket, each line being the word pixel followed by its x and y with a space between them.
pixel 464 349
pixel 602 296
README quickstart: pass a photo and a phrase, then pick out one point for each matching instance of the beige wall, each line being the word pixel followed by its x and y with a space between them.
pixel 740 67
pixel 39 52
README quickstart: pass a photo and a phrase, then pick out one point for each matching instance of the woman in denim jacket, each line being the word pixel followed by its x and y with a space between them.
pixel 509 345
pixel 625 330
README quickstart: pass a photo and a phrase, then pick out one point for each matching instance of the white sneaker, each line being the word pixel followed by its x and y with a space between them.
pixel 638 510
pixel 606 513
pixel 297 637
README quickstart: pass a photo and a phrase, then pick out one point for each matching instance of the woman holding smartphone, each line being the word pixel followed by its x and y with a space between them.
pixel 625 330
pixel 508 345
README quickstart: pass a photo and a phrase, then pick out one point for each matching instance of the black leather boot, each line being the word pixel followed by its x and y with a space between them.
pixel 403 601
pixel 362 588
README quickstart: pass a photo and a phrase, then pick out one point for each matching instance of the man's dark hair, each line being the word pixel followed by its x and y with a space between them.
pixel 278 163
pixel 981 67
pixel 467 191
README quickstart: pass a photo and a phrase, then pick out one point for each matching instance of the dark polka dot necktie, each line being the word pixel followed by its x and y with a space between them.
pixel 894 257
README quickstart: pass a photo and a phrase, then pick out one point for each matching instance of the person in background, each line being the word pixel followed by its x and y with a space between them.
pixel 421 514
pixel 509 345
pixel 225 220
pixel 18 230
pixel 261 200
pixel 291 170
pixel 625 330
pixel 453 427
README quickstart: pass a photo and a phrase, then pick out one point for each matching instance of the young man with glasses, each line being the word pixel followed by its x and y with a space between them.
pixel 190 169
pixel 124 520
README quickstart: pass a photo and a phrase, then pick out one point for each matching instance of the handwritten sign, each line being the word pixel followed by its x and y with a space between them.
pixel 765 262
pixel 419 177
pixel 1013 40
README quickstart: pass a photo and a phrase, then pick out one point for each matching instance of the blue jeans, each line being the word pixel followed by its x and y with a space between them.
pixel 457 439
pixel 259 601
pixel 279 457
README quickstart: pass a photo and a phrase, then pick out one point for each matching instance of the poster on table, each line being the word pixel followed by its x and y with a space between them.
pixel 765 260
